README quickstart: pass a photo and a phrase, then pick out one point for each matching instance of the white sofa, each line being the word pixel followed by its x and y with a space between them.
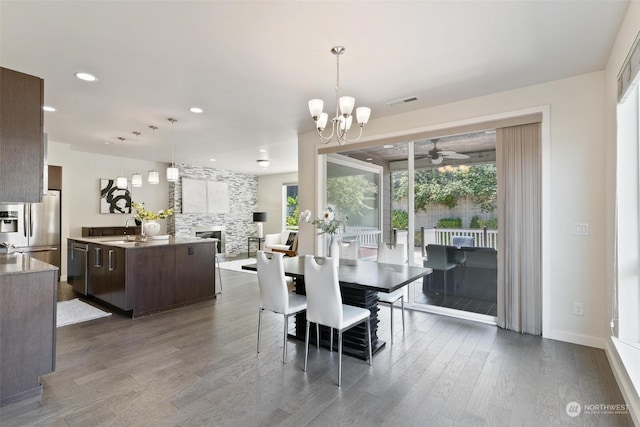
pixel 286 241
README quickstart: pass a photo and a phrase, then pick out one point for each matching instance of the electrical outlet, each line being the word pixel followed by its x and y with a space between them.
pixel 581 228
pixel 578 308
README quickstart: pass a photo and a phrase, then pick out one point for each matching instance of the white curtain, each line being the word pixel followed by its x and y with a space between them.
pixel 519 229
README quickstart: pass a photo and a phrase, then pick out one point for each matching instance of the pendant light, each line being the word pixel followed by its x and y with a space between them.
pixel 136 177
pixel 154 176
pixel 172 171
pixel 121 181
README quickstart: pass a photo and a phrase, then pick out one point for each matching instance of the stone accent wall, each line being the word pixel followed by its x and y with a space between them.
pixel 238 222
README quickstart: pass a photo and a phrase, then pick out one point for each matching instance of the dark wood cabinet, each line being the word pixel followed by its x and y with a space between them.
pixel 148 279
pixel 54 177
pixel 21 137
pixel 28 323
pixel 110 231
pixel 195 274
pixel 107 274
pixel 97 271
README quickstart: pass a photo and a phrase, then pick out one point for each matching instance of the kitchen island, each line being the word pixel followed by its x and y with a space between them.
pixel 28 290
pixel 145 277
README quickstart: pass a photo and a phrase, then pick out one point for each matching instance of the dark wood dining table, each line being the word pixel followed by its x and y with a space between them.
pixel 360 281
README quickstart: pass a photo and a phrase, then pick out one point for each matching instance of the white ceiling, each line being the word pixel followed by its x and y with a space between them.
pixel 253 65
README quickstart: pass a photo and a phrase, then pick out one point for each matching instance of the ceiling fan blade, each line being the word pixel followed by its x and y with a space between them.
pixel 455 155
pixel 446 152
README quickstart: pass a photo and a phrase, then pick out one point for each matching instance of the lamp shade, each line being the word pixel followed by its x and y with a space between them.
pixel 259 217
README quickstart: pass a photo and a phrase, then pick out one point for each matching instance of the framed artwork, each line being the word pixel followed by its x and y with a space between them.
pixel 114 200
pixel 201 196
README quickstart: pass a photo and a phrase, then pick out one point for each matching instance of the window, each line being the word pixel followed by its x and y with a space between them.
pixel 290 206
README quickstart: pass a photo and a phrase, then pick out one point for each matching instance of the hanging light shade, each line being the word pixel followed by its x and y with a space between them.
pixel 121 181
pixel 172 174
pixel 153 177
pixel 341 122
pixel 172 171
pixel 136 180
pixel 136 177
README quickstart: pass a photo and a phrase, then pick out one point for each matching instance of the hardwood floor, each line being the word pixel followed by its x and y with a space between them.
pixel 198 366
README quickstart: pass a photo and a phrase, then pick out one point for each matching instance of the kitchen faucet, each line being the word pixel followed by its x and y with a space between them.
pixel 126 225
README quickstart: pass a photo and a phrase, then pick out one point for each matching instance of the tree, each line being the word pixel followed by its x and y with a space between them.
pixel 446 185
pixel 352 195
pixel 292 212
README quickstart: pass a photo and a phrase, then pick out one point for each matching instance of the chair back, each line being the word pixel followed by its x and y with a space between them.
pixel 273 286
pixel 324 300
pixel 391 254
pixel 460 241
pixel 349 250
pixel 436 257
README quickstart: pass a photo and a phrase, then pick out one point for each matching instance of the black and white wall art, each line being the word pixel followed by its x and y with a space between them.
pixel 112 199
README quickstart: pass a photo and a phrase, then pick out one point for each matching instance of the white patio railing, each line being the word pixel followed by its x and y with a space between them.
pixel 482 237
pixel 367 236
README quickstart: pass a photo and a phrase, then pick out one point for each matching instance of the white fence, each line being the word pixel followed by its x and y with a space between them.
pixel 482 237
pixel 367 236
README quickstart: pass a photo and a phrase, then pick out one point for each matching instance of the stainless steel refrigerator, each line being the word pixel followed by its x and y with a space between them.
pixel 33 228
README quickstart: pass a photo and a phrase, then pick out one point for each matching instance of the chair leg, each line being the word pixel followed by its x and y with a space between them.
pixel 306 347
pixel 339 358
pixel 219 274
pixel 402 307
pixel 391 308
pixel 284 346
pixel 317 335
pixel 331 339
pixel 259 322
pixel 445 283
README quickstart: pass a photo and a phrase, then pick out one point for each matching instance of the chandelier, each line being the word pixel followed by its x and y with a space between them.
pixel 341 122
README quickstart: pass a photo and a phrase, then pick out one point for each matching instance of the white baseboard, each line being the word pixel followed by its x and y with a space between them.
pixel 629 391
pixel 587 340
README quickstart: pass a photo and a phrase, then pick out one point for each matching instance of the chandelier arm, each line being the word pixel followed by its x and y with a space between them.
pixel 344 138
pixel 326 139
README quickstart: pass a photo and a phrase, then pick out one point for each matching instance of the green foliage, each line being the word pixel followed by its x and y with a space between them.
pixel 352 196
pixel 400 219
pixel 292 209
pixel 491 223
pixel 446 185
pixel 449 223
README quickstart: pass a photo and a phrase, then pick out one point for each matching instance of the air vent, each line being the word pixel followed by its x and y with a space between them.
pixel 403 101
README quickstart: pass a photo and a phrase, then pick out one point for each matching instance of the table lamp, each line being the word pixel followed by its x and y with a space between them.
pixel 260 217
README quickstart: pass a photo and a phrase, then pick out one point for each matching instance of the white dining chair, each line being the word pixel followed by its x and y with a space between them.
pixel 325 307
pixel 274 294
pixel 392 254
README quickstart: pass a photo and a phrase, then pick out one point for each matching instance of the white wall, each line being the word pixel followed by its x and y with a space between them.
pixel 81 173
pixel 573 266
pixel 270 198
pixel 623 363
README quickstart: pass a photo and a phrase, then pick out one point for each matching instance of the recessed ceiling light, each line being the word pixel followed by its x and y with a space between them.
pixel 262 150
pixel 212 159
pixel 47 108
pixel 388 146
pixel 369 159
pixel 86 77
pixel 108 142
pixel 196 110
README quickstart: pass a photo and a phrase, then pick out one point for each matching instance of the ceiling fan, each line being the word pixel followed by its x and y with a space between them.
pixel 438 156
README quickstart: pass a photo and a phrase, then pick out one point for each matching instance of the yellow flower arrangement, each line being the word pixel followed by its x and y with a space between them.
pixel 143 214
